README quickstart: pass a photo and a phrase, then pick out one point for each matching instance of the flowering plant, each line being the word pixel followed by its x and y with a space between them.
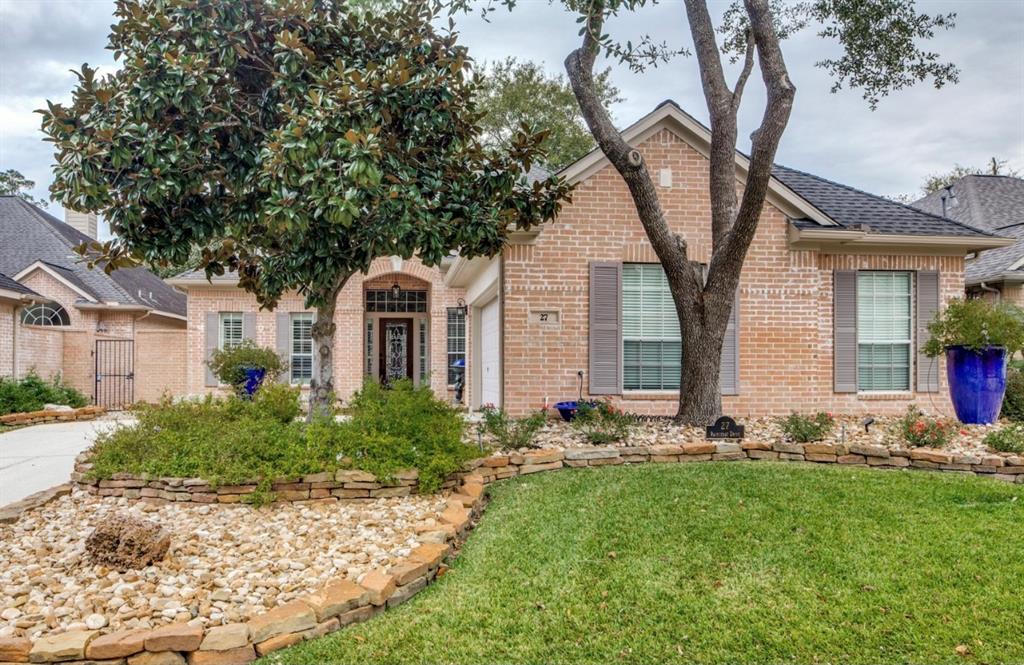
pixel 919 431
pixel 804 429
pixel 603 422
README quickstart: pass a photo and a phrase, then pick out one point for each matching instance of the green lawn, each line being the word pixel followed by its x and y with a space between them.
pixel 740 562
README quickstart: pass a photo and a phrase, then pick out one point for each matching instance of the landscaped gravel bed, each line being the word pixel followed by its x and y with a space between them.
pixel 226 562
pixel 967 439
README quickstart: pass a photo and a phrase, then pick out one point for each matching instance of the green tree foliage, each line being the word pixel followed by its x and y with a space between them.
pixel 515 93
pixel 13 183
pixel 995 166
pixel 292 142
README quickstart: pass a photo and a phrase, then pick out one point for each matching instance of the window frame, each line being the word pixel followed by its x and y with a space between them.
pixel 643 339
pixel 909 342
pixel 223 317
pixel 293 318
pixel 450 355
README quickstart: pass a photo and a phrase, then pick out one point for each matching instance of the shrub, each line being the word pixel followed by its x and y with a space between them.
pixel 1013 401
pixel 229 365
pixel 919 431
pixel 278 401
pixel 805 429
pixel 31 393
pixel 1006 439
pixel 231 440
pixel 976 324
pixel 602 423
pixel 511 433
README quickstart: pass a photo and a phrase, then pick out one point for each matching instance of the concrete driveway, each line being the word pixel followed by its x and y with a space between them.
pixel 41 456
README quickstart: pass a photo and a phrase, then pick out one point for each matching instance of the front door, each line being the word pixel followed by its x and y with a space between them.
pixel 395 358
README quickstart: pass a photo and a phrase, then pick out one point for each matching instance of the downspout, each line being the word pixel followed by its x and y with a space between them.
pixel 985 287
pixel 14 341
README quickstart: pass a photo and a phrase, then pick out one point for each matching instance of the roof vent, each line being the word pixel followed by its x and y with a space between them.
pixel 85 222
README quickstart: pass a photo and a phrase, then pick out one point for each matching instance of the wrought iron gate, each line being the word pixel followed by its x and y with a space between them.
pixel 115 373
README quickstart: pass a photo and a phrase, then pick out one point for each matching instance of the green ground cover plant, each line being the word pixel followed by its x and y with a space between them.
pixel 805 429
pixel 231 440
pixel 1009 439
pixel 31 393
pixel 717 563
pixel 511 433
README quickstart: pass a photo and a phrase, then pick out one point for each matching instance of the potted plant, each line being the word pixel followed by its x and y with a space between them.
pixel 978 337
pixel 246 366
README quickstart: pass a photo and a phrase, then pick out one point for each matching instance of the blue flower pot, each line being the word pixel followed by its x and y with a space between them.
pixel 253 379
pixel 977 382
pixel 568 409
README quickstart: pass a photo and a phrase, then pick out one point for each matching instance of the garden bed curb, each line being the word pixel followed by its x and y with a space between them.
pixel 52 416
pixel 360 485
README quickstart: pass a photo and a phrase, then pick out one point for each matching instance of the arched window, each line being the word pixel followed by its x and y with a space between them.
pixel 45 314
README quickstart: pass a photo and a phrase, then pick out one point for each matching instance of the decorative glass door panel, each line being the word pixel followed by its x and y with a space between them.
pixel 395 360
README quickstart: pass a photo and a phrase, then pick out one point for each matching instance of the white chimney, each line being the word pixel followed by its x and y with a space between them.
pixel 83 221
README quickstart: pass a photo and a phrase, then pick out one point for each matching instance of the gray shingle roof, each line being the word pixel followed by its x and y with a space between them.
pixel 853 208
pixel 990 202
pixel 28 235
pixel 8 284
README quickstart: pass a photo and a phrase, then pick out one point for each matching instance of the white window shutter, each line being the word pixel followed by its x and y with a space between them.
pixel 605 328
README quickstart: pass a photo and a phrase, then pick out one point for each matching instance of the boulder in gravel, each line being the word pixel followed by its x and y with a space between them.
pixel 127 543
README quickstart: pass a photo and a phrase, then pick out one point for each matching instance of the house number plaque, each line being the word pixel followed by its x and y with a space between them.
pixel 725 428
pixel 545 318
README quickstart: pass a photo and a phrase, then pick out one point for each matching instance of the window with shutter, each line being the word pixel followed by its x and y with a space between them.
pixel 231 330
pixel 301 356
pixel 884 330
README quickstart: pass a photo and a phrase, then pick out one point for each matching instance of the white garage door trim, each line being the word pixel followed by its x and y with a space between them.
pixel 489 360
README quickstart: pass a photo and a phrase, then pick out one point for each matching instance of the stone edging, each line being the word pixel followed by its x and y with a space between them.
pixel 353 484
pixel 344 602
pixel 12 511
pixel 36 417
pixel 336 605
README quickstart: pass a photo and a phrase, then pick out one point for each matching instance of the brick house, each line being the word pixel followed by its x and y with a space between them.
pixel 994 203
pixel 118 338
pixel 831 309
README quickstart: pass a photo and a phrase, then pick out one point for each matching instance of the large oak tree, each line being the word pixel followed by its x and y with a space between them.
pixel 293 142
pixel 878 54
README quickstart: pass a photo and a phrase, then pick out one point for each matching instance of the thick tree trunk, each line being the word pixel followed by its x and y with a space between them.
pixel 703 307
pixel 321 386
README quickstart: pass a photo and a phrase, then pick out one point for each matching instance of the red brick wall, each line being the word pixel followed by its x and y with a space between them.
pixel 349 348
pixel 785 318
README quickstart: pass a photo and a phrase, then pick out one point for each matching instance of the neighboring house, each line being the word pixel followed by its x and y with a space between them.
pixel 831 309
pixel 994 203
pixel 118 338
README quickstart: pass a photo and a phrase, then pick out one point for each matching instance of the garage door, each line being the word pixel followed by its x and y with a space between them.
pixel 490 359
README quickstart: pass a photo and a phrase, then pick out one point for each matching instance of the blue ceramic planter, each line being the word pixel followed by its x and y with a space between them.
pixel 568 409
pixel 977 382
pixel 253 379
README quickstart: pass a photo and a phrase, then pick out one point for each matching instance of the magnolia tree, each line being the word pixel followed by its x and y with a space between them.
pixel 292 142
pixel 878 54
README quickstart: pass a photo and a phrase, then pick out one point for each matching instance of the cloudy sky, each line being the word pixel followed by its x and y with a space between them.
pixel 914 133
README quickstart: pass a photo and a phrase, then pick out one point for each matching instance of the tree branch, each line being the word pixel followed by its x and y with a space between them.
pixel 719 99
pixel 723 273
pixel 748 66
pixel 670 248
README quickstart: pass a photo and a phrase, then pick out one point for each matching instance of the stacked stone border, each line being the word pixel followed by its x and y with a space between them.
pixel 343 602
pixel 350 484
pixel 51 416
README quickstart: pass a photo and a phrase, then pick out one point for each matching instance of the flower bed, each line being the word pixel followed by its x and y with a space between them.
pixel 345 599
pixel 51 416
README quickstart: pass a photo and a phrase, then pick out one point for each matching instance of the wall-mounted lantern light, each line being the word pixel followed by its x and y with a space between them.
pixel 462 309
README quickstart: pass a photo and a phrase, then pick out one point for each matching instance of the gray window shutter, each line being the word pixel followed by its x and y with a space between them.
pixel 844 343
pixel 605 328
pixel 927 306
pixel 212 340
pixel 249 326
pixel 729 370
pixel 284 338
